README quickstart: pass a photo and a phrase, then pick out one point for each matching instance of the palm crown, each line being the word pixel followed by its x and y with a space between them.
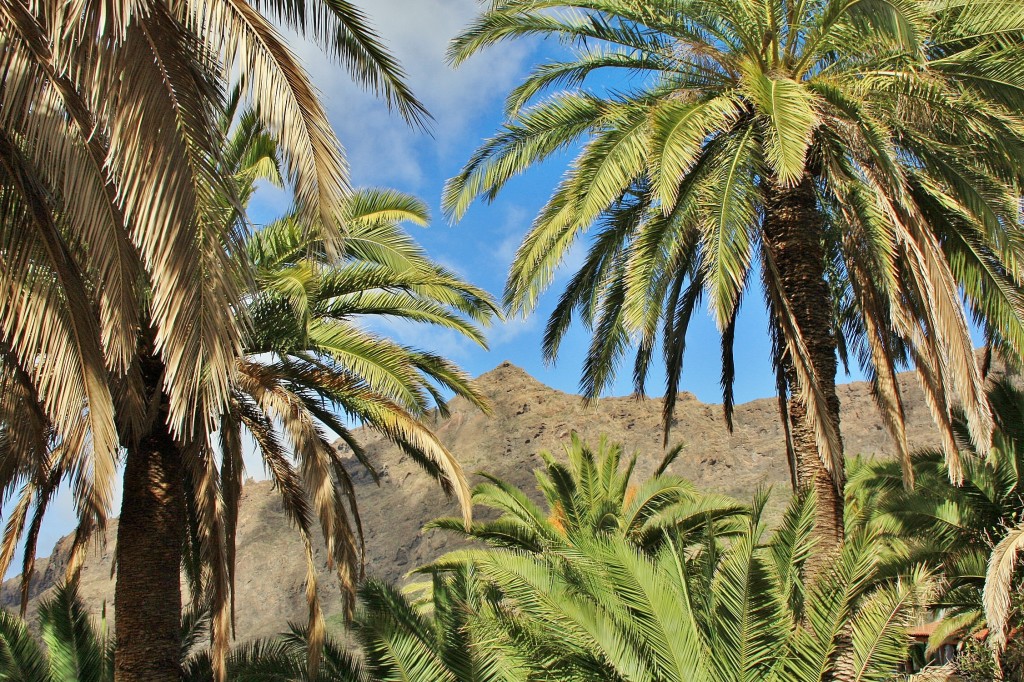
pixel 701 607
pixel 594 494
pixel 860 159
pixel 955 528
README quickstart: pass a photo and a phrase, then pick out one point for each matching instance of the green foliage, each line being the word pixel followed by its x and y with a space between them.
pixel 591 494
pixel 700 607
pixel 75 649
pixel 588 598
pixel 953 528
pixel 71 647
pixel 976 663
pixel 902 116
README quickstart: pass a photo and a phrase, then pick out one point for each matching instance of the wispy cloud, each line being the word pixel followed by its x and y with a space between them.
pixel 381 149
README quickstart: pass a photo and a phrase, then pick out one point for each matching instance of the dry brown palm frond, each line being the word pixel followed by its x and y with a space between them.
pixel 166 134
pixel 17 517
pixel 344 480
pixel 946 332
pixel 311 452
pixel 38 460
pixel 232 471
pixel 388 418
pixel 205 483
pixel 957 358
pixel 871 274
pixel 884 386
pixel 316 626
pixel 923 353
pixel 48 318
pixel 999 585
pixel 89 527
pixel 69 147
pixel 72 165
pixel 288 105
pixel 289 484
pixel 308 443
pixel 25 430
pixel 43 496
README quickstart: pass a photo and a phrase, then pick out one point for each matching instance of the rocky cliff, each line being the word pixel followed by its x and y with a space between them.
pixel 528 417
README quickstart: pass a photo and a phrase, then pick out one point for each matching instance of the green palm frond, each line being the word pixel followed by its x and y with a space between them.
pixel 21 657
pixel 593 492
pixel 896 122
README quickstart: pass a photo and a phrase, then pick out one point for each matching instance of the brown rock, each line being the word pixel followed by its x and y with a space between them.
pixel 528 417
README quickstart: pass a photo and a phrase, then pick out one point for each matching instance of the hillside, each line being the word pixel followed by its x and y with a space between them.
pixel 528 417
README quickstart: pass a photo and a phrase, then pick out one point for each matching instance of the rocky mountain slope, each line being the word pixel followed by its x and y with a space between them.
pixel 528 417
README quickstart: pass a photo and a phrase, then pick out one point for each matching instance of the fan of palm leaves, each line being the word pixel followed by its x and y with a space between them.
pixel 970 532
pixel 702 607
pixel 593 493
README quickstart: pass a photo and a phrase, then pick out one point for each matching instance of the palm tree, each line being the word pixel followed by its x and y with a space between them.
pixel 592 494
pixel 119 308
pixel 312 361
pixel 863 156
pixel 968 531
pixel 183 486
pixel 110 147
pixel 716 609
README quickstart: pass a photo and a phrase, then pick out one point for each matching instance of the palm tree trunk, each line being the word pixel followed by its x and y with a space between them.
pixel 793 234
pixel 147 595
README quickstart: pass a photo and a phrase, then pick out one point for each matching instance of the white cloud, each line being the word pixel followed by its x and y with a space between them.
pixel 511 330
pixel 381 148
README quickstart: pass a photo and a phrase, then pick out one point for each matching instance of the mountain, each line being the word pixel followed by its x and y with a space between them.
pixel 528 417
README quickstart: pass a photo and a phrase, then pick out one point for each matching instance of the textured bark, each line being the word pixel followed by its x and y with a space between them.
pixel 793 234
pixel 147 596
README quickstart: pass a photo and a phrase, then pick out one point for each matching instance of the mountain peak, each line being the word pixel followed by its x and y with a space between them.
pixel 505 376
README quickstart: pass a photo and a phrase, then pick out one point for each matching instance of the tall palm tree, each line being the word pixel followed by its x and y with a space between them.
pixel 861 160
pixel 110 152
pixel 119 307
pixel 593 494
pixel 313 366
pixel 179 484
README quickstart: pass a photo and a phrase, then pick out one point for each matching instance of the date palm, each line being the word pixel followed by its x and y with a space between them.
pixel 110 151
pixel 717 608
pixel 119 314
pixel 314 366
pixel 176 482
pixel 591 494
pixel 860 160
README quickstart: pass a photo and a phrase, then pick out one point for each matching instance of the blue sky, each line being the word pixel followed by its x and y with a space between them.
pixel 466 105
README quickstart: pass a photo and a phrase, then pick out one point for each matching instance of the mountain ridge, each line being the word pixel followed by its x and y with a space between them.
pixel 528 417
